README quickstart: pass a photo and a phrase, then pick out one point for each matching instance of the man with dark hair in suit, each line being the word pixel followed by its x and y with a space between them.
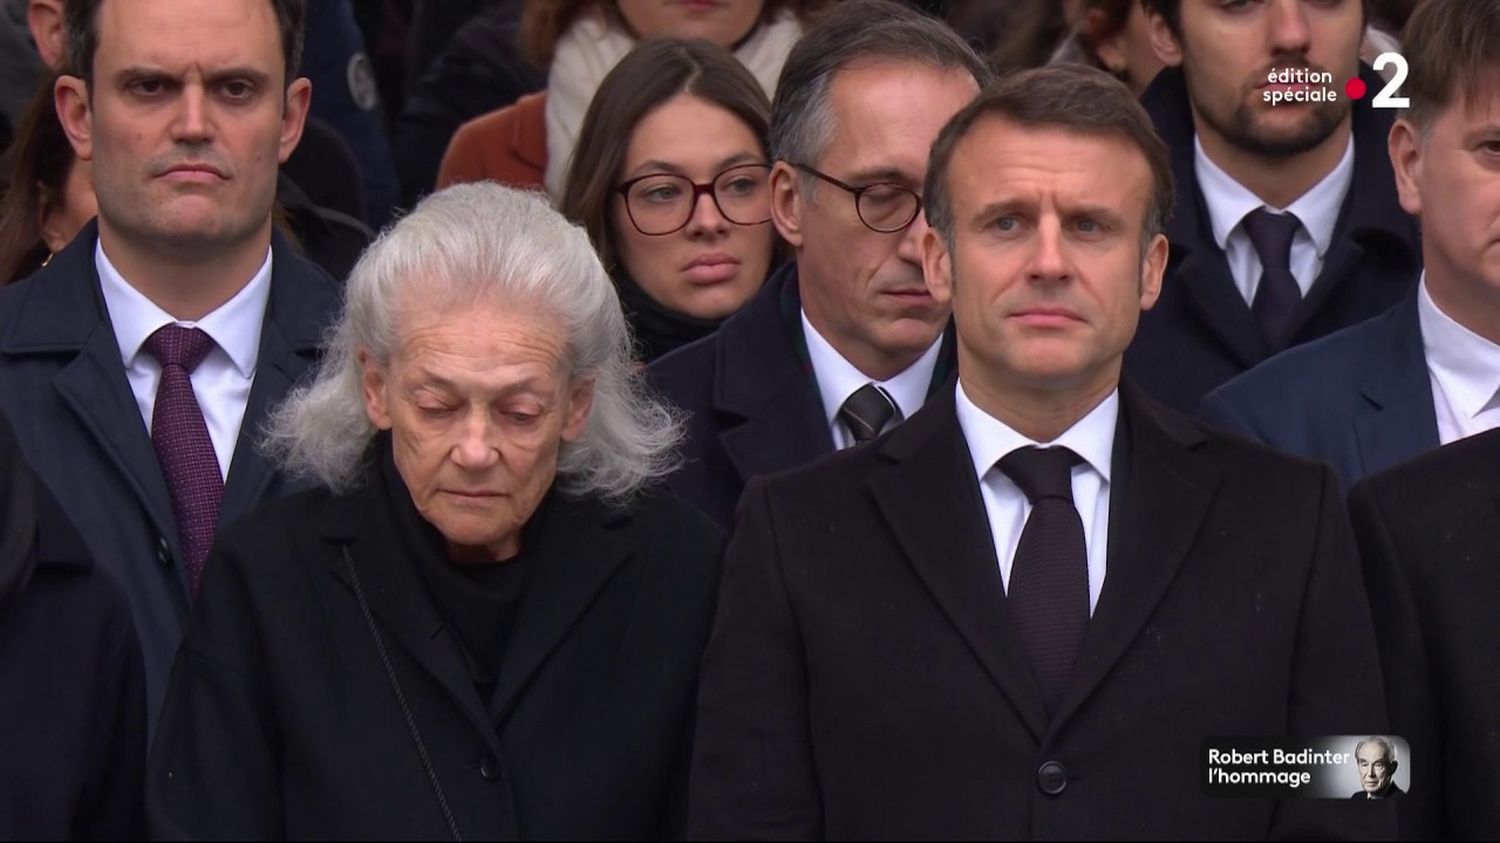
pixel 138 366
pixel 1022 612
pixel 1426 530
pixel 1287 226
pixel 1426 373
pixel 846 341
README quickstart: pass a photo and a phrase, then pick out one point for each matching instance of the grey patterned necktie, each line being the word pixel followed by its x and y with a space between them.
pixel 183 447
pixel 867 412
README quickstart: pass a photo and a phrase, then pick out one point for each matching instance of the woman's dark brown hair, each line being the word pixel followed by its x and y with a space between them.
pixel 39 162
pixel 651 74
pixel 545 21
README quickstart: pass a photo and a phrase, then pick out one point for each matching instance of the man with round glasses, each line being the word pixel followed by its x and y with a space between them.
pixel 846 342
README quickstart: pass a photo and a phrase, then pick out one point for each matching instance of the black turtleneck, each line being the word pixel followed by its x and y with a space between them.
pixel 658 329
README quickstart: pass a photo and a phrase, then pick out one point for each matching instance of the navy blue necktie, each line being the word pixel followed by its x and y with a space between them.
pixel 1277 297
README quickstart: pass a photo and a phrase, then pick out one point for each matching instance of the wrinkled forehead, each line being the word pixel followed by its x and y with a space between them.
pixel 1371 751
pixel 886 114
pixel 184 35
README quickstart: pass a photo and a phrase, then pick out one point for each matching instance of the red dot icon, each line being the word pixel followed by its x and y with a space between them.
pixel 1355 88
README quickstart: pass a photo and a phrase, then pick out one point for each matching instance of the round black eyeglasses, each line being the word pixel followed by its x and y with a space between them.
pixel 885 207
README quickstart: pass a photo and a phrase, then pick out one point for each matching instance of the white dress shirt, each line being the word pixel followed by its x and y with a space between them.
pixel 1092 438
pixel 838 379
pixel 1465 372
pixel 221 383
pixel 1229 202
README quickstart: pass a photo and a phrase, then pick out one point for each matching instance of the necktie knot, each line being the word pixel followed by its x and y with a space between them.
pixel 867 412
pixel 1271 235
pixel 174 345
pixel 1041 473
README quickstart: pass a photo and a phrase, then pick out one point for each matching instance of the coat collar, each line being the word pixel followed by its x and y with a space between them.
pixel 572 552
pixel 928 492
pixel 1371 220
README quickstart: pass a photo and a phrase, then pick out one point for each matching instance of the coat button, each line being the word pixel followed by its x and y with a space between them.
pixel 489 768
pixel 163 551
pixel 1051 778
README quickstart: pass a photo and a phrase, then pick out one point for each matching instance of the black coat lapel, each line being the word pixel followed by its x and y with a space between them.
pixel 763 379
pixel 399 598
pixel 930 497
pixel 573 552
pixel 1158 501
pixel 302 300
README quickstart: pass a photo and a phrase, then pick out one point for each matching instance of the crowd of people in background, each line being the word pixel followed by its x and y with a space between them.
pixel 795 419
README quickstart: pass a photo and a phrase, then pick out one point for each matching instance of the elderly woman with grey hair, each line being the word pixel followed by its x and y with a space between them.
pixel 486 620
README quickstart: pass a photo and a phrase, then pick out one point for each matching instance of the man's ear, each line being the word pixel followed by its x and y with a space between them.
pixel 45 20
pixel 294 115
pixel 937 266
pixel 1404 145
pixel 786 203
pixel 1153 269
pixel 70 96
pixel 1164 41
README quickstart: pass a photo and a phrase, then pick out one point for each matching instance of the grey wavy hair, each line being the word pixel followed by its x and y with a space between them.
pixel 467 245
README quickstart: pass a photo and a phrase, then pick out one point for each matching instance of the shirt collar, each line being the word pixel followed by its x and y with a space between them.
pixel 234 325
pixel 838 378
pixel 1467 364
pixel 1229 201
pixel 1092 437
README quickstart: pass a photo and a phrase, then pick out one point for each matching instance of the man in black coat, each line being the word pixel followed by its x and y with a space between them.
pixel 72 689
pixel 488 621
pixel 1022 613
pixel 1426 530
pixel 1426 373
pixel 847 341
pixel 1287 225
pixel 147 451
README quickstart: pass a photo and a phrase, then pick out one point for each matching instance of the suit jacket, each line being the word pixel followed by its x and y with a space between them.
pixel 1359 399
pixel 72 689
pixel 281 721
pixel 1201 333
pixel 751 397
pixel 1391 792
pixel 508 145
pixel 63 386
pixel 864 679
pixel 1426 530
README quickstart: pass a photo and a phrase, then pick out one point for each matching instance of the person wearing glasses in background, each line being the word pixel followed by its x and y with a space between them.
pixel 672 183
pixel 846 341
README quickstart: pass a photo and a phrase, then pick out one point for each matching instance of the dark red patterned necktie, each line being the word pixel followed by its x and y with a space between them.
pixel 183 447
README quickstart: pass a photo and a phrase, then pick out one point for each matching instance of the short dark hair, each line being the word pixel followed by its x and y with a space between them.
pixel 1451 46
pixel 1068 96
pixel 849 31
pixel 648 76
pixel 1171 12
pixel 80 26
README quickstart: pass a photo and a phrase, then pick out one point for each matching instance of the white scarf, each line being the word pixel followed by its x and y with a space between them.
pixel 595 43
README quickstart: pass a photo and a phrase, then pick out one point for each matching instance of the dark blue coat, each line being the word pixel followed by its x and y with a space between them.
pixel 64 389
pixel 1359 399
pixel 72 689
pixel 752 401
pixel 1201 332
